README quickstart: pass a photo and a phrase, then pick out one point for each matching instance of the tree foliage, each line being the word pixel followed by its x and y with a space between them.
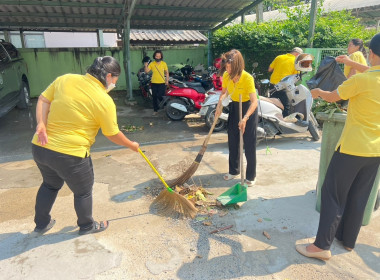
pixel 332 30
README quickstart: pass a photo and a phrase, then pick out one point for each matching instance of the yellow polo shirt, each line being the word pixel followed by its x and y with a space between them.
pixel 244 86
pixel 283 65
pixel 361 132
pixel 79 106
pixel 357 57
pixel 158 69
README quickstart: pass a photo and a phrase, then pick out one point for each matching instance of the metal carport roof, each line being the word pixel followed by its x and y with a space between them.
pixel 90 15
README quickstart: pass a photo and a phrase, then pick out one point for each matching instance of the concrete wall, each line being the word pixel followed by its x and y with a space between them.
pixel 44 65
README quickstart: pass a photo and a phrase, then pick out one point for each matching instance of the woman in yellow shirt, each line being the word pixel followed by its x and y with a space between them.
pixel 160 78
pixel 69 114
pixel 236 81
pixel 356 52
pixel 355 162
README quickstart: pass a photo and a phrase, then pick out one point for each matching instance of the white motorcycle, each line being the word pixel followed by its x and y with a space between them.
pixel 271 120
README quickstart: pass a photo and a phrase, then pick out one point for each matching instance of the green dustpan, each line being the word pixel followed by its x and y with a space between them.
pixel 237 193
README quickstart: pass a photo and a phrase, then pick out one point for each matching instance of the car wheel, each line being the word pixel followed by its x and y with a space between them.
pixel 210 117
pixel 173 113
pixel 24 98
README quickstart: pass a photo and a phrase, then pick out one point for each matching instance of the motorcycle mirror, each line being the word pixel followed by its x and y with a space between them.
pixel 255 64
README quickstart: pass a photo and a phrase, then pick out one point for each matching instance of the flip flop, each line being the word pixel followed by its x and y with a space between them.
pixel 228 176
pixel 45 229
pixel 97 227
pixel 250 183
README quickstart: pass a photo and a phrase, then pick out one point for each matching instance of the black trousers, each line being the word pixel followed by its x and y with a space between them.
pixel 345 192
pixel 57 168
pixel 284 100
pixel 158 91
pixel 249 139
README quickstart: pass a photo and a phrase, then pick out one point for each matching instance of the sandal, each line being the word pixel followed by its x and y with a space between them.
pixel 45 229
pixel 97 227
pixel 250 183
pixel 229 176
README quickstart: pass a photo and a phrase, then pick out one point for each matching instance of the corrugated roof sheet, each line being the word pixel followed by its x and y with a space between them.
pixel 89 15
pixel 166 36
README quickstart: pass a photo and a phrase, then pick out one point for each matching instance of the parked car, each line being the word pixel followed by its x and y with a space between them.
pixel 14 86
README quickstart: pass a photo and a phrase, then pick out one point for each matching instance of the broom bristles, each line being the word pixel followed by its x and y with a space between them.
pixel 173 204
pixel 185 176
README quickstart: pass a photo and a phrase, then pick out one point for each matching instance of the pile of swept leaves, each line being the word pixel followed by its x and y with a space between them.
pixel 131 128
pixel 330 108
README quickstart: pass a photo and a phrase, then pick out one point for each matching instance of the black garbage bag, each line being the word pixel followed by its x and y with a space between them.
pixel 328 77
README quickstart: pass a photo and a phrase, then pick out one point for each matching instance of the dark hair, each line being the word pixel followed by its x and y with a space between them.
pixel 359 43
pixel 374 45
pixel 236 60
pixel 102 66
pixel 156 52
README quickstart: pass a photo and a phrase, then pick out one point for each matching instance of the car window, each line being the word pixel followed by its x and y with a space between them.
pixel 3 55
pixel 12 51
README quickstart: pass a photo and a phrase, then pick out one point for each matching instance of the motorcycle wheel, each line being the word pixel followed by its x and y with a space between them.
pixel 173 113
pixel 210 117
pixel 313 127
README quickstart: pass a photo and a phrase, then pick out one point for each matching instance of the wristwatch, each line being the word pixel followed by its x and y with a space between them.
pixel 246 117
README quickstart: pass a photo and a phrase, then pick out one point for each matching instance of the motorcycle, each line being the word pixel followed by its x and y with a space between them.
pixel 184 98
pixel 271 120
pixel 262 85
pixel 144 81
pixel 211 80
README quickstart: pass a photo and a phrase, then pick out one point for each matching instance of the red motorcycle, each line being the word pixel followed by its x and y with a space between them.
pixel 184 98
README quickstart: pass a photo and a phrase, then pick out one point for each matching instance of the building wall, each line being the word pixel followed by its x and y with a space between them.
pixel 44 65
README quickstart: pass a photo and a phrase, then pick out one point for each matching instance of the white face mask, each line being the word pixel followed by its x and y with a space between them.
pixel 110 87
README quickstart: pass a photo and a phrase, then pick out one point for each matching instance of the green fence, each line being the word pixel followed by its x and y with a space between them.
pixel 44 65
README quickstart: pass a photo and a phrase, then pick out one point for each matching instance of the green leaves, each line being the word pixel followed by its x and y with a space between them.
pixel 333 30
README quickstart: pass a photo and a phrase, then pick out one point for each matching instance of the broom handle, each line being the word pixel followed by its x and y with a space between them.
pixel 154 169
pixel 212 127
pixel 241 142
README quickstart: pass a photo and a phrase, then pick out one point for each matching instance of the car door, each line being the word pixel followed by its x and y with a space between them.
pixel 9 84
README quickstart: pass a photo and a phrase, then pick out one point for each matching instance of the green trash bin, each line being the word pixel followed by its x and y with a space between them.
pixel 332 129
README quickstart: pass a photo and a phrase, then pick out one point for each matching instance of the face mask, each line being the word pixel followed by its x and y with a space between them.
pixel 157 59
pixel 110 87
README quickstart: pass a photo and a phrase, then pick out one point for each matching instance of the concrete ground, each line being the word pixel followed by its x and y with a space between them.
pixel 139 244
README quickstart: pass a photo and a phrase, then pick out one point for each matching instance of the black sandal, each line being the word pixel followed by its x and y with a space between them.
pixel 45 229
pixel 97 227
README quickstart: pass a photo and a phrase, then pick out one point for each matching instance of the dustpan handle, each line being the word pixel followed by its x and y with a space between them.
pixel 154 169
pixel 241 142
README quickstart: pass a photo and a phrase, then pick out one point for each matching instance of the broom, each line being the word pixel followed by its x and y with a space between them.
pixel 170 203
pixel 194 166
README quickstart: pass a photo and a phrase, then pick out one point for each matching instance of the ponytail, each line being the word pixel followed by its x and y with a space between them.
pixel 102 66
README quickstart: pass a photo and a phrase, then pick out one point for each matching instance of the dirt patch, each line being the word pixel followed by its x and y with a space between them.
pixel 18 203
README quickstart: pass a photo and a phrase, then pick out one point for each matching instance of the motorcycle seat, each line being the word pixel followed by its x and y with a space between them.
pixel 196 86
pixel 190 84
pixel 274 101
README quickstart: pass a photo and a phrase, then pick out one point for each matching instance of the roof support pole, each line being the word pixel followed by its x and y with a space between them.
pixel 259 12
pixel 313 18
pixel 7 37
pixel 242 19
pixel 127 50
pixel 127 58
pixel 209 48
pixel 100 38
pixel 22 36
